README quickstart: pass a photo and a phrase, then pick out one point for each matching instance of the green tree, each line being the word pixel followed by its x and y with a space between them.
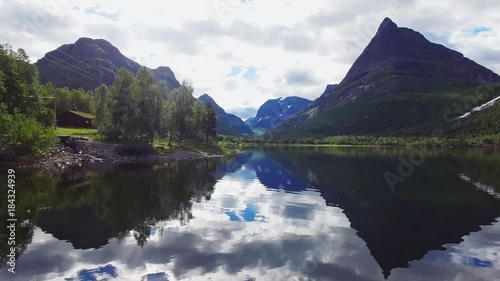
pixel 197 119
pixel 80 100
pixel 23 114
pixel 148 105
pixel 21 134
pixel 183 100
pixel 123 105
pixel 165 92
pixel 100 107
pixel 210 125
pixel 167 128
pixel 19 82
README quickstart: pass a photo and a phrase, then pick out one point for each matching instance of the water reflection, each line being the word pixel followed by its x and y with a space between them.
pixel 270 214
pixel 432 208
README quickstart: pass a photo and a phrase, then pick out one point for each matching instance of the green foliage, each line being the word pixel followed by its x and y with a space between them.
pixel 484 122
pixel 123 104
pixel 167 126
pixel 67 99
pixel 229 148
pixel 23 111
pixel 149 105
pixel 23 135
pixel 409 141
pixel 183 101
pixel 19 82
pixel 98 107
pixel 218 148
pixel 139 109
pixel 210 122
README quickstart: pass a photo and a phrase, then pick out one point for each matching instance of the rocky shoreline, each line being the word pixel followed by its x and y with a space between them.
pixel 82 152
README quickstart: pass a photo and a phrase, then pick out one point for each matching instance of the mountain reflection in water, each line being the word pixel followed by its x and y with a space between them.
pixel 285 213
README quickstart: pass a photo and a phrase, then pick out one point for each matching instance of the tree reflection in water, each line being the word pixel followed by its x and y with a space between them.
pixel 89 205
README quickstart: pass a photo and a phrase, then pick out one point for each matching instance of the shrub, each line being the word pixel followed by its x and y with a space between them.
pixel 22 135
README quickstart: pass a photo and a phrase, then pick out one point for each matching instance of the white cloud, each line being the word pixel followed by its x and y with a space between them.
pixel 202 40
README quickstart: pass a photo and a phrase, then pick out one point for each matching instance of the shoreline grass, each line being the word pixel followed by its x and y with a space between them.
pixel 75 132
pixel 223 148
pixel 378 141
pixel 220 148
pixel 233 145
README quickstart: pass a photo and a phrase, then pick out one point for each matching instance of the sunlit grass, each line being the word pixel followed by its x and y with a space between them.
pixel 76 132
pixel 220 148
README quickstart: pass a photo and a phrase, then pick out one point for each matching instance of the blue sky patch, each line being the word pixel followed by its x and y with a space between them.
pixel 235 70
pixel 97 11
pixel 160 276
pixel 477 262
pixel 247 215
pixel 233 216
pixel 250 74
pixel 478 30
pixel 250 212
pixel 108 271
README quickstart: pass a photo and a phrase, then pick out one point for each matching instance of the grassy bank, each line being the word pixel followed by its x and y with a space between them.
pixel 232 145
pixel 470 141
pixel 76 132
pixel 219 148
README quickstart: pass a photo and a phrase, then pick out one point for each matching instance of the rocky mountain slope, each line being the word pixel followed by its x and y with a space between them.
pixel 88 63
pixel 275 111
pixel 227 124
pixel 401 84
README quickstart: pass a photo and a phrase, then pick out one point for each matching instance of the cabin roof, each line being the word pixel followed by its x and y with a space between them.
pixel 81 114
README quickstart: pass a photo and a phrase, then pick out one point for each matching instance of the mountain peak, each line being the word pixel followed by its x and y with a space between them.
pixel 400 62
pixel 275 111
pixel 205 96
pixel 387 22
pixel 89 62
pixel 87 40
pixel 386 25
pixel 405 52
pixel 83 39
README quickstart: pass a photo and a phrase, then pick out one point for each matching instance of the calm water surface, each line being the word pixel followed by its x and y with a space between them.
pixel 303 213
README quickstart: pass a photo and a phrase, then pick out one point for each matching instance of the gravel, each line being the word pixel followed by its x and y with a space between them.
pixel 97 152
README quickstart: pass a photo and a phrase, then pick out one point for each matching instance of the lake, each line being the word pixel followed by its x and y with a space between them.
pixel 275 213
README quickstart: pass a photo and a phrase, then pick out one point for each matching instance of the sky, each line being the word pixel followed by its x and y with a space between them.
pixel 244 52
